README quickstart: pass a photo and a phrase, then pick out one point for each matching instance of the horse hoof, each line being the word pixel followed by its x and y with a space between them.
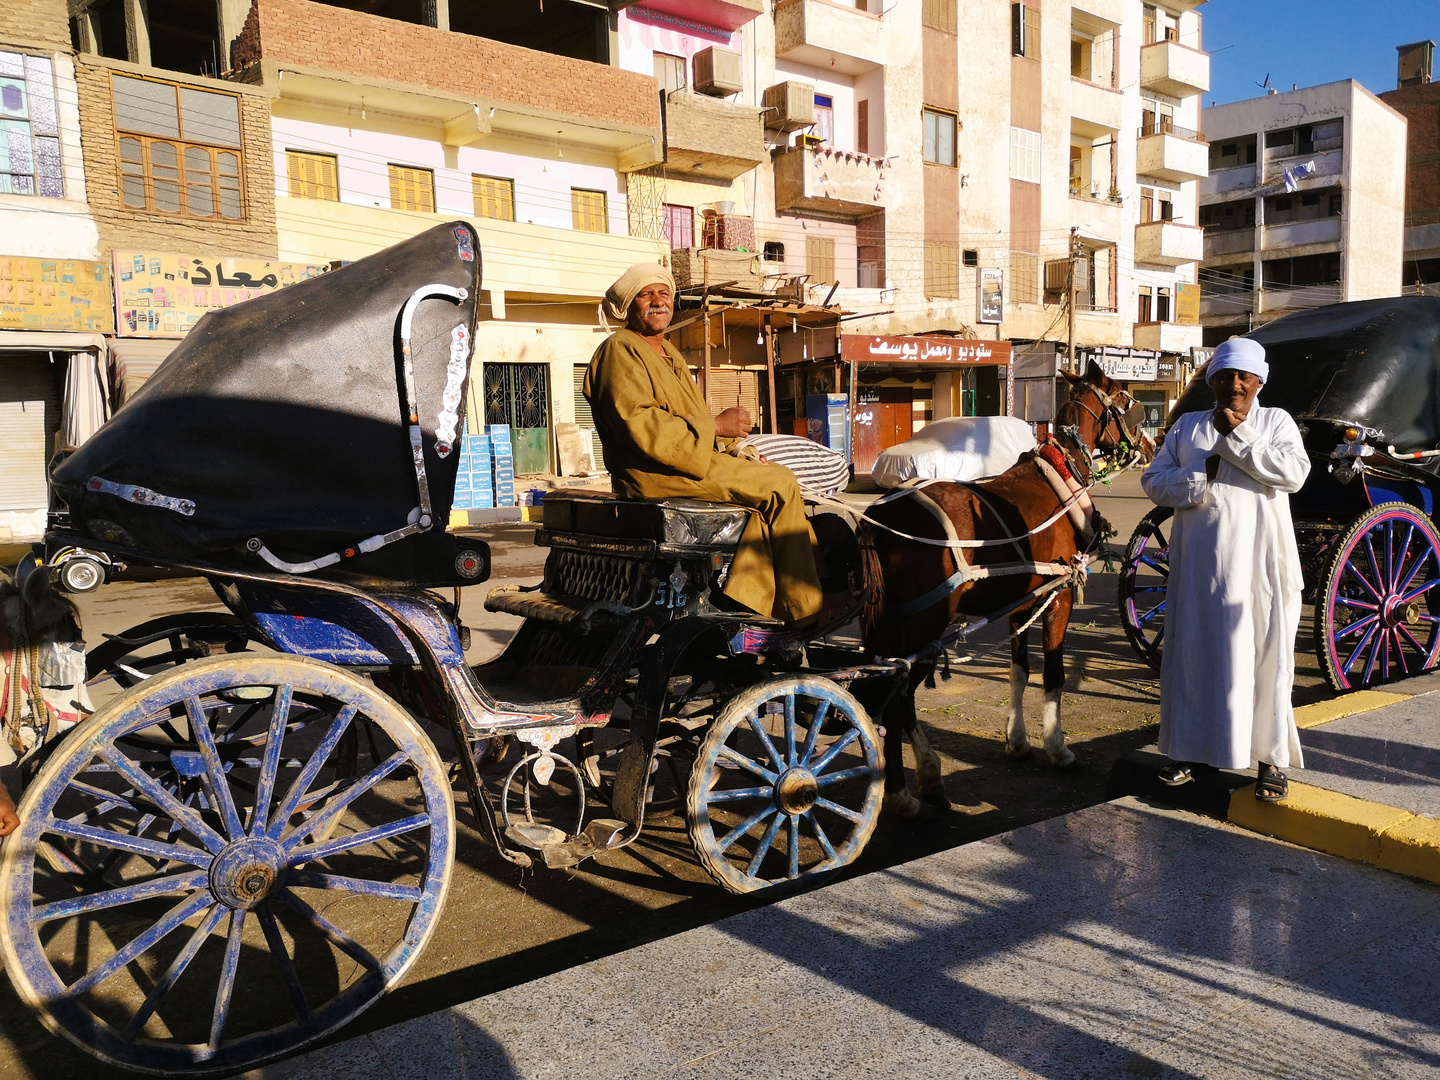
pixel 1065 759
pixel 935 796
pixel 1017 752
pixel 904 804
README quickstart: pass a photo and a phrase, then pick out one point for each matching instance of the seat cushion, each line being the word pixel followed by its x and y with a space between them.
pixel 666 521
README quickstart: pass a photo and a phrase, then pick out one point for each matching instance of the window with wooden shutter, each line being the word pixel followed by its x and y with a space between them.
pixel 312 176
pixel 938 15
pixel 942 269
pixel 820 259
pixel 862 125
pixel 412 189
pixel 587 211
pixel 494 197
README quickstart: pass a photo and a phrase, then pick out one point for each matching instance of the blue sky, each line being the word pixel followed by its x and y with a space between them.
pixel 1309 42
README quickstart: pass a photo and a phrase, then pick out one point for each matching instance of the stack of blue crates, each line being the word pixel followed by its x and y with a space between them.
pixel 474 484
pixel 504 460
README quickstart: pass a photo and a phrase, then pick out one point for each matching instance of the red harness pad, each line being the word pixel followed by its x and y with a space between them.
pixel 1056 457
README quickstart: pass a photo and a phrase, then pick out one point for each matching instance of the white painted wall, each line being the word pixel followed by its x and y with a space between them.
pixel 543 174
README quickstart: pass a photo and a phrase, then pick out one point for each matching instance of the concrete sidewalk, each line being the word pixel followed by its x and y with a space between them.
pixel 1119 941
pixel 1370 789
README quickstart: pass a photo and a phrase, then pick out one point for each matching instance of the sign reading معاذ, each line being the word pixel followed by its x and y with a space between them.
pixel 923 351
pixel 54 294
pixel 164 295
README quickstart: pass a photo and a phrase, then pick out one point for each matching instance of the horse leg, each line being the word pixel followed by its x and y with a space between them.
pixel 1017 745
pixel 927 762
pixel 1056 621
pixel 898 799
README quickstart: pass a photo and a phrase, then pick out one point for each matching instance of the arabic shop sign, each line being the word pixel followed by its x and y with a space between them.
pixel 54 294
pixel 1122 364
pixel 923 351
pixel 164 295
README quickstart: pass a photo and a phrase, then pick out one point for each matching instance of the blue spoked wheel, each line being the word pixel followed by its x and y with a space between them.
pixel 1144 581
pixel 213 870
pixel 787 785
pixel 1375 617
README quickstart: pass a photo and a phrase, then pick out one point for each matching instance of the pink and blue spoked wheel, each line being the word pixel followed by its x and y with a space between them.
pixel 1375 616
pixel 213 870
pixel 1144 582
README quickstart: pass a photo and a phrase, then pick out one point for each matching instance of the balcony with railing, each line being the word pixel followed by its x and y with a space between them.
pixel 1290 234
pixel 1168 243
pixel 1167 67
pixel 828 180
pixel 712 137
pixel 1220 242
pixel 1232 179
pixel 1168 337
pixel 848 38
pixel 1327 163
pixel 1173 154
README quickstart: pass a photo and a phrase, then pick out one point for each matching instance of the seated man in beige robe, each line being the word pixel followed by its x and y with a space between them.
pixel 660 443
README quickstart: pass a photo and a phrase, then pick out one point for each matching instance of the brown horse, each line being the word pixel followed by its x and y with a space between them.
pixel 917 591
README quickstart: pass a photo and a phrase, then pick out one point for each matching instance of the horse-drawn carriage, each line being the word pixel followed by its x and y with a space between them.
pixel 1362 381
pixel 252 839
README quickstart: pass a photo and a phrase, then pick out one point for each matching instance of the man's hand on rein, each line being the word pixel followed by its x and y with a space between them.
pixel 733 423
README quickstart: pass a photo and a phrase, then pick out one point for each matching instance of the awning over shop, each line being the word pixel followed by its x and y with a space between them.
pixel 133 360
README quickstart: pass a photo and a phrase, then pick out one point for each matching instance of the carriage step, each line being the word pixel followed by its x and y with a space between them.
pixel 571 611
pixel 559 850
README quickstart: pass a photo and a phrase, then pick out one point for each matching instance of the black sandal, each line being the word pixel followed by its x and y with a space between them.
pixel 1272 785
pixel 1175 774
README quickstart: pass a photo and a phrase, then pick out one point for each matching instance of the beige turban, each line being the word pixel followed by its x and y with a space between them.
pixel 621 295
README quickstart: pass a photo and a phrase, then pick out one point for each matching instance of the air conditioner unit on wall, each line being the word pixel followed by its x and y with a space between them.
pixel 789 106
pixel 719 72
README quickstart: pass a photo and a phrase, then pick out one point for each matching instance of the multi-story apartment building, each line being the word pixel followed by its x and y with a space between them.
pixel 1417 98
pixel 1304 205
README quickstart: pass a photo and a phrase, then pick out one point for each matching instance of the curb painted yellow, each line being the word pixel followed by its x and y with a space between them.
pixel 459 519
pixel 1322 712
pixel 1370 832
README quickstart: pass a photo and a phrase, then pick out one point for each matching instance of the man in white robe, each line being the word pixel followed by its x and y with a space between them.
pixel 1233 604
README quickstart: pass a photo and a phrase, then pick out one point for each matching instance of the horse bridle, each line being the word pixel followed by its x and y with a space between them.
pixel 1111 412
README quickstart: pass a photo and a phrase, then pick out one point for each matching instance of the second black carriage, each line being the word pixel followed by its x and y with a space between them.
pixel 1363 382
pixel 252 841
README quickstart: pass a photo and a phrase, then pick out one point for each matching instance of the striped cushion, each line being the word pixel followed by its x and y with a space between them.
pixel 818 468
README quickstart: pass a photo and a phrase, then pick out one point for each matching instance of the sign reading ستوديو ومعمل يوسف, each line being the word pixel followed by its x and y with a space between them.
pixel 165 295
pixel 54 294
pixel 923 350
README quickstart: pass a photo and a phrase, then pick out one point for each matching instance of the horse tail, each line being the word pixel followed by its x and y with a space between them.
pixel 872 579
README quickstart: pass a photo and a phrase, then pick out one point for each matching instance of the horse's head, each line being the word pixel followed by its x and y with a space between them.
pixel 1102 414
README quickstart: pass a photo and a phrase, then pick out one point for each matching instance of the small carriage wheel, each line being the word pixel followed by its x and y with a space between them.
pixel 1373 621
pixel 182 915
pixel 1144 584
pixel 167 642
pixel 787 785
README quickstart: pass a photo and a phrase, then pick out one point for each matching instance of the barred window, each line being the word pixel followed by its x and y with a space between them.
pixel 412 189
pixel 313 176
pixel 587 211
pixel 494 197
pixel 179 149
pixel 29 128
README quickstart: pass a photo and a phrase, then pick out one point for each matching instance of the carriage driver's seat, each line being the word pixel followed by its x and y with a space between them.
pixel 604 552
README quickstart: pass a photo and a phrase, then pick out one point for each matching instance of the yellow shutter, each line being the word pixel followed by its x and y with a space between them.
pixel 494 197
pixel 587 211
pixel 820 259
pixel 412 189
pixel 312 176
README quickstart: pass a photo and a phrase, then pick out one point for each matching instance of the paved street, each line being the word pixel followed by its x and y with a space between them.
pixel 1120 941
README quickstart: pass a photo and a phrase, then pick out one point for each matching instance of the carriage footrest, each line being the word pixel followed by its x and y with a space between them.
pixel 560 610
pixel 559 850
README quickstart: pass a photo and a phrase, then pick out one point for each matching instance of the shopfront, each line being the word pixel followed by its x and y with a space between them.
pixel 53 314
pixel 902 383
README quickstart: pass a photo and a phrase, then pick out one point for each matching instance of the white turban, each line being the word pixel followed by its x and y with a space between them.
pixel 621 295
pixel 1241 354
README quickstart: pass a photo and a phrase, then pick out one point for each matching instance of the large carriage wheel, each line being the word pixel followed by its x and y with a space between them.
pixel 1373 620
pixel 1144 583
pixel 787 784
pixel 169 903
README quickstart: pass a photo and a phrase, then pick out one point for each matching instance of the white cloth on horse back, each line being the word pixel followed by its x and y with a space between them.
pixel 1233 604
pixel 816 466
pixel 956 448
pixel 42 683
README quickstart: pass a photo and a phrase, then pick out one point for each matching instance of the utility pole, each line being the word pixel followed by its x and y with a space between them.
pixel 1070 300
